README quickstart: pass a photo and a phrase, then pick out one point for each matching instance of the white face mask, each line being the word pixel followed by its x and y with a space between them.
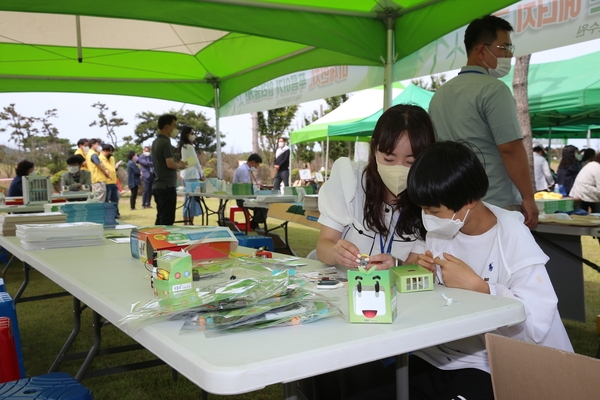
pixel 174 133
pixel 146 153
pixel 192 138
pixel 443 227
pixel 86 149
pixel 73 169
pixel 393 177
pixel 99 148
pixel 503 66
pixel 280 144
pixel 252 169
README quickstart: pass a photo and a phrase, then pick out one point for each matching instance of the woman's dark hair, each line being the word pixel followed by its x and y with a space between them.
pixel 395 122
pixel 447 174
pixel 569 157
pixel 184 139
pixel 23 168
pixel 131 154
pixel 597 157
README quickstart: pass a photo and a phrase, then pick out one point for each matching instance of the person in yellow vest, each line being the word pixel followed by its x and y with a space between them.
pixel 99 172
pixel 112 190
pixel 82 150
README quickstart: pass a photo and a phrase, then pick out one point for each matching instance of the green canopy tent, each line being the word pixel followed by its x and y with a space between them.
pixel 412 94
pixel 564 97
pixel 208 52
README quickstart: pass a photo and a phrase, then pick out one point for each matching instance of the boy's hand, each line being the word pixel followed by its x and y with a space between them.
pixel 459 275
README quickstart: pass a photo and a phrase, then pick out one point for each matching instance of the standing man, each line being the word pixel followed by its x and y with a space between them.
pixel 99 172
pixel 478 108
pixel 82 150
pixel 165 169
pixel 282 164
pixel 145 160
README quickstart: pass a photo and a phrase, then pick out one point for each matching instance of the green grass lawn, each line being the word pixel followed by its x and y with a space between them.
pixel 45 325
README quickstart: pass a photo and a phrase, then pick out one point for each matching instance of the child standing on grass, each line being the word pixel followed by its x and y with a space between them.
pixel 475 246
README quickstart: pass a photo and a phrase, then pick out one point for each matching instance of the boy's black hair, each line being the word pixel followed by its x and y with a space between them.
pixel 23 167
pixel 81 142
pixel 165 120
pixel 447 174
pixel 76 159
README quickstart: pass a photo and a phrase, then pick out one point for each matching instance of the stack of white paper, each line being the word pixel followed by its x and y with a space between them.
pixel 311 202
pixel 51 236
pixel 8 222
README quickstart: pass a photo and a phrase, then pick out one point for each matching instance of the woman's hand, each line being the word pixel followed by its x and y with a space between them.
pixel 457 274
pixel 381 261
pixel 346 253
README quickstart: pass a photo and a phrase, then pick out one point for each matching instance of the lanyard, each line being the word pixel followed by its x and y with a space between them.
pixel 389 245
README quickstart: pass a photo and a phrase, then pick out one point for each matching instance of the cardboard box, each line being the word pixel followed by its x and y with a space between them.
pixel 526 371
pixel 208 241
pixel 371 296
pixel 173 275
pixel 412 278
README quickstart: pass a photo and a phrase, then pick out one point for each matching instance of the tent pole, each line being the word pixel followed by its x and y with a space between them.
pixel 549 145
pixel 388 66
pixel 589 136
pixel 327 158
pixel 79 46
pixel 218 132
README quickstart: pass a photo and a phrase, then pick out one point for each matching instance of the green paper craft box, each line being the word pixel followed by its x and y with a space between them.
pixel 371 296
pixel 173 274
pixel 202 242
pixel 412 278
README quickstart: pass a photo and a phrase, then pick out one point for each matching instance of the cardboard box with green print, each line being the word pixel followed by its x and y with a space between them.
pixel 372 296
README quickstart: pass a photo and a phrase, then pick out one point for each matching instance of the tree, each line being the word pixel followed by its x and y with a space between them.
pixel 206 136
pixel 305 151
pixel 337 148
pixel 436 82
pixel 520 82
pixel 110 123
pixel 19 126
pixel 270 128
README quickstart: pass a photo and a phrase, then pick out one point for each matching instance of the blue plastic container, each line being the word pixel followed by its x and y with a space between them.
pixel 54 386
pixel 7 309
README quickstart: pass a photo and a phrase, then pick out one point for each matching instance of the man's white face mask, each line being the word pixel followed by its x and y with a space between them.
pixel 503 66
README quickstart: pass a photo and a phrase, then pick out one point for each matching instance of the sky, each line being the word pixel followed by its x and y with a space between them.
pixel 75 111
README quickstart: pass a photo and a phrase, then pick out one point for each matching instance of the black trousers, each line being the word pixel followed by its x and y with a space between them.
pixel 133 198
pixel 147 193
pixel 375 381
pixel 166 202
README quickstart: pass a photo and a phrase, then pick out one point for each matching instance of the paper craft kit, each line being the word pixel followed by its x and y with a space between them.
pixel 412 278
pixel 202 242
pixel 372 296
pixel 173 274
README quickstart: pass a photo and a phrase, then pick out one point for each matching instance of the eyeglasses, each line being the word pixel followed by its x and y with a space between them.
pixel 507 49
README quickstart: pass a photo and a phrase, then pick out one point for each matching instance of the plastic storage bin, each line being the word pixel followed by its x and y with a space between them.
pixel 54 386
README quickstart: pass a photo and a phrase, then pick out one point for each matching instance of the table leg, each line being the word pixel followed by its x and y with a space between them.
pixel 10 260
pixel 290 390
pixel 26 269
pixel 221 212
pixel 77 309
pixel 402 377
pixel 97 324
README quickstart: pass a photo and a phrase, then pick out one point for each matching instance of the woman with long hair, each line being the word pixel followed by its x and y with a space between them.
pixel 568 168
pixel 193 172
pixel 364 207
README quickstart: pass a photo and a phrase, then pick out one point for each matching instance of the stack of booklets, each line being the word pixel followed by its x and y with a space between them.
pixel 311 202
pixel 100 213
pixel 52 236
pixel 9 222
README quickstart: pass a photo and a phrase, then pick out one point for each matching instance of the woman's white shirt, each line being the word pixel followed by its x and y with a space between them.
pixel 194 170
